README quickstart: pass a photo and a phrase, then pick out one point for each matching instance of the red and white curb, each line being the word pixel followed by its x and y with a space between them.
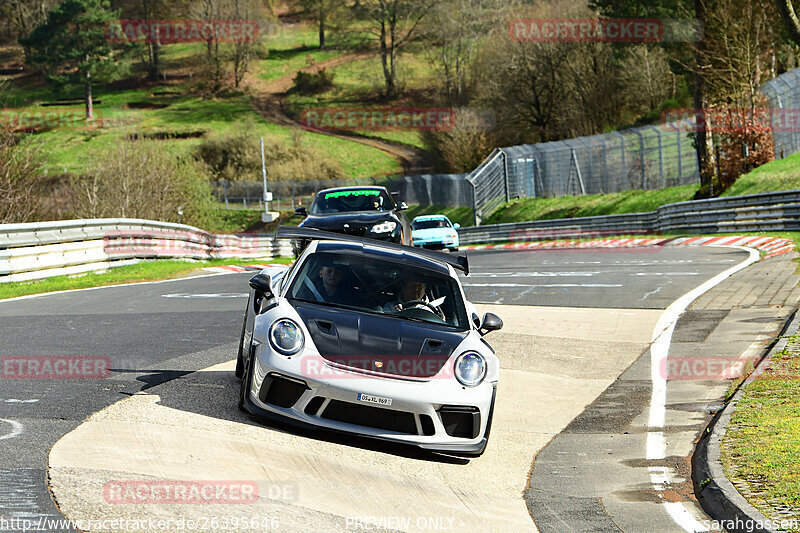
pixel 771 246
pixel 238 268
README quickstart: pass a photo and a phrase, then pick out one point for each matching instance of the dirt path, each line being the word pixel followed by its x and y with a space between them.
pixel 269 99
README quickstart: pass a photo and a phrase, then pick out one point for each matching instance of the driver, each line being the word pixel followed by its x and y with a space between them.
pixel 410 291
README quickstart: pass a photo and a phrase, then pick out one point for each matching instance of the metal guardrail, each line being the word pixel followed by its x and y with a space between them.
pixel 45 249
pixel 776 211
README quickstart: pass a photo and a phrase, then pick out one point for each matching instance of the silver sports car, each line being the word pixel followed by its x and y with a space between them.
pixel 370 338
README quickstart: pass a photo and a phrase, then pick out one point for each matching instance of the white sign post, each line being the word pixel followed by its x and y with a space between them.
pixel 267 216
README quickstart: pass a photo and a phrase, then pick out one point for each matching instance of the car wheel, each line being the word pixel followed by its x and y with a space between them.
pixel 453 249
pixel 244 389
pixel 239 372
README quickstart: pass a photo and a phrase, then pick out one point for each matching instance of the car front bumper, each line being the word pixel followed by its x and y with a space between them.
pixel 438 414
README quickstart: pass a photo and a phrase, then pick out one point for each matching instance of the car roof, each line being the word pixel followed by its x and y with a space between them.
pixel 406 257
pixel 431 217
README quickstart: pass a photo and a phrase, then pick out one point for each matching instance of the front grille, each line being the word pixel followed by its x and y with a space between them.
pixel 458 421
pixel 371 417
pixel 281 392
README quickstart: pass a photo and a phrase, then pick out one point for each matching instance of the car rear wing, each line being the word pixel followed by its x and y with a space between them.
pixel 458 261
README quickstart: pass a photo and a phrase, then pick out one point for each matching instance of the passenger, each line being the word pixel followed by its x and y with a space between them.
pixel 328 286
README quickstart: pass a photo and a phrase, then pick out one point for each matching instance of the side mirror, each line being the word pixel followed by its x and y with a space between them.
pixel 262 283
pixel 402 206
pixel 456 225
pixel 490 322
pixel 302 211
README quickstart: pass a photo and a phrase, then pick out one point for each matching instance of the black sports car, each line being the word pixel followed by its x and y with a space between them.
pixel 369 212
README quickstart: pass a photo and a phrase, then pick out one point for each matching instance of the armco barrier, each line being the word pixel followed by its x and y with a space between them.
pixel 777 211
pixel 45 249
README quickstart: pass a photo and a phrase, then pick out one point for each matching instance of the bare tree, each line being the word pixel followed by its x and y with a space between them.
pixel 20 169
pixel 395 25
pixel 25 15
pixel 323 12
pixel 790 20
pixel 454 28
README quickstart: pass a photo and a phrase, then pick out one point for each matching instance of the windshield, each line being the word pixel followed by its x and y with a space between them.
pixel 430 224
pixel 383 287
pixel 347 201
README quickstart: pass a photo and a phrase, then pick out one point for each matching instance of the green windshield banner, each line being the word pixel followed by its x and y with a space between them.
pixel 345 194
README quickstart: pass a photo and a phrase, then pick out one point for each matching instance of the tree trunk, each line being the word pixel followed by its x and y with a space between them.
pixel 704 139
pixel 789 19
pixel 388 79
pixel 89 111
pixel 321 26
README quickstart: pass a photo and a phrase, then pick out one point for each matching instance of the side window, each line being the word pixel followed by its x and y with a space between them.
pixel 286 276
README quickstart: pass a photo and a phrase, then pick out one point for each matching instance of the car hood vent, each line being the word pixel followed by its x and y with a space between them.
pixel 379 344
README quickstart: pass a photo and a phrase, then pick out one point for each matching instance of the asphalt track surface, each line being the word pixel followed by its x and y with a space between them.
pixel 155 332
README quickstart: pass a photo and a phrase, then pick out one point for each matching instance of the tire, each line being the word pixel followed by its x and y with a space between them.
pixel 239 372
pixel 453 249
pixel 244 388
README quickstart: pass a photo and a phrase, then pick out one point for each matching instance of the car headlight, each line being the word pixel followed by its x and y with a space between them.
pixel 470 368
pixel 384 227
pixel 286 337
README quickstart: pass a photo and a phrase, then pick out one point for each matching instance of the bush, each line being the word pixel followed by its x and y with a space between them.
pixel 308 83
pixel 466 144
pixel 236 156
pixel 20 172
pixel 143 180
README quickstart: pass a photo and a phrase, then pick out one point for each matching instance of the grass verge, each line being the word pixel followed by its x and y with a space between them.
pixel 762 442
pixel 144 271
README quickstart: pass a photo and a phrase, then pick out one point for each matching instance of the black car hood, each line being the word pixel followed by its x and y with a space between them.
pixel 357 218
pixel 380 344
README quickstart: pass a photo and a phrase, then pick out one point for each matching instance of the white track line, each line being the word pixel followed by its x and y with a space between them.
pixel 16 429
pixel 659 350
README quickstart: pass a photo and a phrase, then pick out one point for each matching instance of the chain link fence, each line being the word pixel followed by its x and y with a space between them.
pixel 646 158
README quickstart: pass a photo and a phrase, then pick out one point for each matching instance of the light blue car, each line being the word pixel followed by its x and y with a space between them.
pixel 434 231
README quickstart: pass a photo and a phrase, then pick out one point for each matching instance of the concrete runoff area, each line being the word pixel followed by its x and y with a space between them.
pixel 190 429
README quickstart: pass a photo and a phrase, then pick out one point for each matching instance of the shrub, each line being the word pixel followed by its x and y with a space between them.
pixel 20 172
pixel 141 179
pixel 466 144
pixel 308 83
pixel 236 156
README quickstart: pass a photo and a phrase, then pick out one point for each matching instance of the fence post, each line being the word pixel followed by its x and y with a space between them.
pixel 660 156
pixel 641 155
pixel 624 169
pixel 225 193
pixel 505 172
pixel 476 220
pixel 574 160
pixel 603 188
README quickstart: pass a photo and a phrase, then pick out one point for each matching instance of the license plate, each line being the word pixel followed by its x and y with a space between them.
pixel 374 399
